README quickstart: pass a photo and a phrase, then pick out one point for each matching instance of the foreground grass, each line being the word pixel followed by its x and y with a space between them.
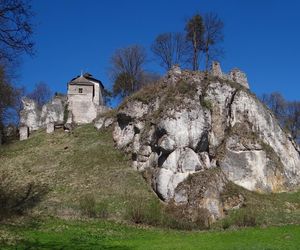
pixel 58 234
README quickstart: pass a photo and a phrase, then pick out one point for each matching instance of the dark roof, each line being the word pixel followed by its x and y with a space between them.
pixel 85 80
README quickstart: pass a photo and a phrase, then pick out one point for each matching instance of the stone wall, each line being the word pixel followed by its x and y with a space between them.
pixel 33 117
pixel 235 75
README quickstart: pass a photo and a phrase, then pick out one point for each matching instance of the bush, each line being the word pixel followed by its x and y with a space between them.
pixel 102 210
pixel 141 211
pixel 87 204
pixel 181 218
pixel 152 212
pixel 18 196
pixel 207 104
pixel 241 218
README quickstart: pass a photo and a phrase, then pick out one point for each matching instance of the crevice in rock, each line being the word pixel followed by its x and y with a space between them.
pixel 161 159
pixel 203 144
pixel 123 120
pixel 229 106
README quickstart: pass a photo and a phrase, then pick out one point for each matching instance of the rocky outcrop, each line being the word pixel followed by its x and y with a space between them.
pixel 192 125
pixel 30 115
pixel 35 117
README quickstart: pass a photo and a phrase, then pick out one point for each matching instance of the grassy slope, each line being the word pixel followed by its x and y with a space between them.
pixel 107 235
pixel 74 166
pixel 85 162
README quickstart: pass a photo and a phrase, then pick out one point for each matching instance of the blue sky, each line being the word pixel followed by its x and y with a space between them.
pixel 262 37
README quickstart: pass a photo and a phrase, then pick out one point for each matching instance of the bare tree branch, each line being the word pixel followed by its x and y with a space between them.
pixel 170 49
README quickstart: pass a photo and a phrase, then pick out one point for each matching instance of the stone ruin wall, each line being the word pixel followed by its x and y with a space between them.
pixel 59 112
pixel 235 75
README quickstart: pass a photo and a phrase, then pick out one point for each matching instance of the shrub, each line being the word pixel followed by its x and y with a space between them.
pixel 182 218
pixel 18 196
pixel 102 210
pixel 241 218
pixel 207 104
pixel 141 211
pixel 87 204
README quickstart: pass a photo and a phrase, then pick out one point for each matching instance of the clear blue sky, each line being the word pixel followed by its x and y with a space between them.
pixel 262 37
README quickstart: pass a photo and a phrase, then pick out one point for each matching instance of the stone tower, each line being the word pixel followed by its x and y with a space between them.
pixel 85 96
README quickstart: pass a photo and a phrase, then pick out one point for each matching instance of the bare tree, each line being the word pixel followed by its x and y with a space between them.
pixel 170 49
pixel 213 35
pixel 15 29
pixel 292 121
pixel 7 97
pixel 127 67
pixel 15 39
pixel 287 112
pixel 194 34
pixel 276 102
pixel 41 94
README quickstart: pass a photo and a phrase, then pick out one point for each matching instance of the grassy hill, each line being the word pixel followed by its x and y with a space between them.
pixel 77 191
pixel 72 170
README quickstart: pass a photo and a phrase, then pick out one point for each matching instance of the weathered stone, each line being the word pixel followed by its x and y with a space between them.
pixel 216 69
pixel 108 122
pixel 24 132
pixel 182 160
pixel 174 74
pixel 99 123
pixel 30 115
pixel 50 128
pixel 10 130
pixel 124 136
pixel 185 128
pixel 166 181
pixel 238 76
pixel 53 112
pixel 203 190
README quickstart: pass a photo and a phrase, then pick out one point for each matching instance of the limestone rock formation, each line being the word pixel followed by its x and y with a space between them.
pixel 194 133
pixel 35 117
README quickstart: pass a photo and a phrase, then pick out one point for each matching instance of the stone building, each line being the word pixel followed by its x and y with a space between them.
pixel 85 98
pixel 83 103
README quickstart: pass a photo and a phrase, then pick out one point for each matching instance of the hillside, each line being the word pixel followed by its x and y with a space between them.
pixel 68 169
pixel 67 173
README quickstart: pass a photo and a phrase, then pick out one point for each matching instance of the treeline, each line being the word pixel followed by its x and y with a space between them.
pixel 287 112
pixel 15 39
pixel 193 48
pixel 16 31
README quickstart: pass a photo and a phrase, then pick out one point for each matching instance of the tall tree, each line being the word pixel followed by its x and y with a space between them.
pixel 41 94
pixel 276 102
pixel 170 49
pixel 15 29
pixel 195 34
pixel 15 39
pixel 7 97
pixel 127 68
pixel 213 36
pixel 292 121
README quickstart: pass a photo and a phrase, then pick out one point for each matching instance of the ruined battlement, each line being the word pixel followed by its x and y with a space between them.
pixel 235 75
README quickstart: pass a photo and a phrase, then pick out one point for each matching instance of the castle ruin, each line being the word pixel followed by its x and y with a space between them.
pixel 235 75
pixel 83 103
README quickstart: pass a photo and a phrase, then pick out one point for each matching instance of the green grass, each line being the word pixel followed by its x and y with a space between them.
pixel 59 234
